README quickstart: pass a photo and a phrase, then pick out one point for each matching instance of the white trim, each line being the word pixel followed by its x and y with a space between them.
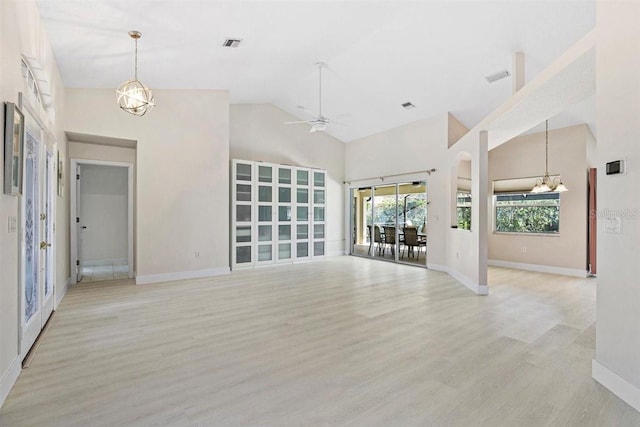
pixel 60 293
pixel 478 289
pixel 73 211
pixel 437 267
pixel 9 379
pixel 539 268
pixel 616 384
pixel 181 275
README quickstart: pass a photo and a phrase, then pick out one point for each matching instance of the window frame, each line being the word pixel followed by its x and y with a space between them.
pixel 463 206
pixel 520 232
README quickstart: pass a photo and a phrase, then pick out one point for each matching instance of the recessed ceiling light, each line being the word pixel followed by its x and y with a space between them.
pixel 497 76
pixel 231 42
pixel 408 106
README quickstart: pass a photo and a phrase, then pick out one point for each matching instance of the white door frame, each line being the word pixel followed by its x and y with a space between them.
pixel 48 262
pixel 73 208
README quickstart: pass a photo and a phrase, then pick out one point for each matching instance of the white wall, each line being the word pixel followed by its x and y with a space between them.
pixel 85 151
pixel 103 210
pixel 617 363
pixel 523 157
pixel 258 133
pixel 182 176
pixel 418 146
pixel 22 33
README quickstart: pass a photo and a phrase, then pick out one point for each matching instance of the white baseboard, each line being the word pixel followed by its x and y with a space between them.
pixel 475 287
pixel 616 384
pixel 180 275
pixel 538 268
pixel 437 267
pixel 9 379
pixel 60 293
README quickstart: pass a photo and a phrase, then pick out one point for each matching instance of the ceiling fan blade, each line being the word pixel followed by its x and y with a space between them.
pixel 313 129
pixel 338 123
pixel 301 121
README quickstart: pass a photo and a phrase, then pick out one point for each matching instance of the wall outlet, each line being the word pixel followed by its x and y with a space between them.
pixel 524 249
pixel 197 254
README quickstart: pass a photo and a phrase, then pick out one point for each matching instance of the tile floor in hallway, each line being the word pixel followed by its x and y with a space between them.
pixel 97 273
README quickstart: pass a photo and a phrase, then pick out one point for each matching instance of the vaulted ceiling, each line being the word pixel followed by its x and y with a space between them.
pixel 380 54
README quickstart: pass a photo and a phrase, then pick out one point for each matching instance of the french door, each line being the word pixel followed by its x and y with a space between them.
pixel 37 217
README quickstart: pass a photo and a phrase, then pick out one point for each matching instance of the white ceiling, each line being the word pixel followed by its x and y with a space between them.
pixel 379 53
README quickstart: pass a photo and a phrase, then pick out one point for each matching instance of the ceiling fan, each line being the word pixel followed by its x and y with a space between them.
pixel 317 122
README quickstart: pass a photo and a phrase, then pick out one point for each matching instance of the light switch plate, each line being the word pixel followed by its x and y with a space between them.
pixel 612 225
pixel 12 224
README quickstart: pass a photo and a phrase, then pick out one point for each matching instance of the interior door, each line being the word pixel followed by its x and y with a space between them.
pixel 47 237
pixel 79 227
pixel 31 309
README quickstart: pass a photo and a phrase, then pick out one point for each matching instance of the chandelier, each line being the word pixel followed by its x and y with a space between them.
pixel 548 184
pixel 134 97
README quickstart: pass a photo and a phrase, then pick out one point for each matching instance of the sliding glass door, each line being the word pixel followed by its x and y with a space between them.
pixel 389 222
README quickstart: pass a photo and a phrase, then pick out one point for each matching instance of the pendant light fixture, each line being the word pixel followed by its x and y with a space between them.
pixel 547 184
pixel 134 97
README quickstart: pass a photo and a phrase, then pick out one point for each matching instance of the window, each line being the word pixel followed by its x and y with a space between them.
pixel 528 213
pixel 463 208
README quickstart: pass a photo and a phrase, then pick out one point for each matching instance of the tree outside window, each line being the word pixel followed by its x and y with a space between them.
pixel 528 213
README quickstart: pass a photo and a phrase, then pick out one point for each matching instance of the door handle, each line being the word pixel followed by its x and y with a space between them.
pixel 44 245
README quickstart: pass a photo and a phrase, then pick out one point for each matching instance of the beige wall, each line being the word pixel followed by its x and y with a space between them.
pixel 523 157
pixel 418 146
pixel 618 108
pixel 182 170
pixel 22 33
pixel 258 133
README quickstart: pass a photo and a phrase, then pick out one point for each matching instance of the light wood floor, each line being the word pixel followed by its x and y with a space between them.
pixel 348 342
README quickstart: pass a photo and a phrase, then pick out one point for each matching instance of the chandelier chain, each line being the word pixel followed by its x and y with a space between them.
pixel 546 160
pixel 136 63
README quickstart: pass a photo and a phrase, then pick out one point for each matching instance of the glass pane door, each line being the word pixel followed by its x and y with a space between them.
pixel 303 214
pixel 412 222
pixel 243 215
pixel 266 237
pixel 390 222
pixel 31 313
pixel 384 221
pixel 285 213
pixel 319 212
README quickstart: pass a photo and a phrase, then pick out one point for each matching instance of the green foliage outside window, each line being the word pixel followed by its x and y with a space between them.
pixel 463 209
pixel 385 210
pixel 528 213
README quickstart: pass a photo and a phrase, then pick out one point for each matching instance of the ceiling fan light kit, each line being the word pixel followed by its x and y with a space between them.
pixel 318 123
pixel 133 96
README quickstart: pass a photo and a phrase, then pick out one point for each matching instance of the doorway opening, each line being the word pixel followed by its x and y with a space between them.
pixel 390 222
pixel 101 221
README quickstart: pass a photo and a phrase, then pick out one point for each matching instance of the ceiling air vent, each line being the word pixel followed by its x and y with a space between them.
pixel 408 106
pixel 231 42
pixel 497 76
